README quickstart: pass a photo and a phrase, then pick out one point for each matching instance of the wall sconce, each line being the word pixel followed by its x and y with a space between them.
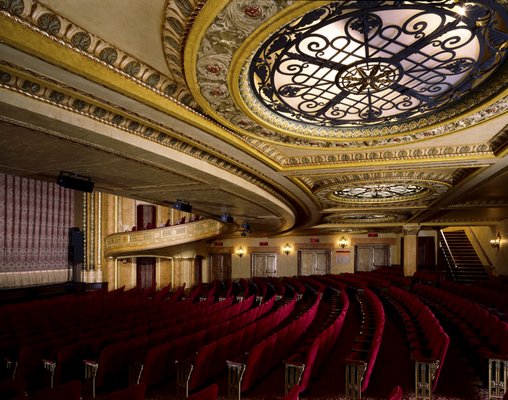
pixel 287 248
pixel 496 242
pixel 240 251
pixel 342 242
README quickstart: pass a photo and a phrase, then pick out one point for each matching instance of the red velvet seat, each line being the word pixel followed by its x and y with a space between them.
pixel 396 393
pixel 156 366
pixel 113 368
pixel 223 352
pixel 67 391
pixel 294 394
pixel 135 392
pixel 12 388
pixel 202 364
pixel 254 365
pixel 209 393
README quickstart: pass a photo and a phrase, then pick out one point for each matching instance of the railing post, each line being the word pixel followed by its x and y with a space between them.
pixel 293 375
pixel 354 377
pixel 425 373
pixel 497 378
pixel 235 376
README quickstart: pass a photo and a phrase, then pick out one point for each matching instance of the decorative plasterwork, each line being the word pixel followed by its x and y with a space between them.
pixel 345 64
pixel 125 243
pixel 40 18
pixel 215 59
pixel 500 142
pixel 178 18
pixel 362 217
pixel 480 204
pixel 430 186
pixel 401 155
pixel 49 91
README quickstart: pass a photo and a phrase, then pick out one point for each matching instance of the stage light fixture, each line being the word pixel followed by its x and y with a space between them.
pixel 182 206
pixel 74 181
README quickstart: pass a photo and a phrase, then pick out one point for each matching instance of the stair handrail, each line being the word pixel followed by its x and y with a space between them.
pixel 443 237
pixel 488 267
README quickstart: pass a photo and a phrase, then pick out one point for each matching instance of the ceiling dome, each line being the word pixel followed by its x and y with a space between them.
pixel 351 64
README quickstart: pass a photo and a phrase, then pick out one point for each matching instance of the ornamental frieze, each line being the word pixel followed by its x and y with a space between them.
pixel 49 91
pixel 42 19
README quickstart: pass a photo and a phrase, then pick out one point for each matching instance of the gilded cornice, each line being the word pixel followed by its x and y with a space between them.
pixel 481 204
pixel 217 55
pixel 30 26
pixel 347 217
pixel 49 91
pixel 381 156
pixel 499 143
pixel 124 243
pixel 178 19
pixel 392 176
pixel 42 19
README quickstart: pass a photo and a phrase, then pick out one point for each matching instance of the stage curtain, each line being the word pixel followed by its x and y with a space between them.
pixel 35 217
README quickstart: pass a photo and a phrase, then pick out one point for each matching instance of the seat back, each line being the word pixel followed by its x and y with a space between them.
pixel 209 393
pixel 202 365
pixel 67 391
pixel 135 392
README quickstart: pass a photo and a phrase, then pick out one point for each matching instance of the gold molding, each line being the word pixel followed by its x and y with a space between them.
pixel 126 243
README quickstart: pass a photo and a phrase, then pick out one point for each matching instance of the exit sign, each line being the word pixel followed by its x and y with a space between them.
pixel 314 240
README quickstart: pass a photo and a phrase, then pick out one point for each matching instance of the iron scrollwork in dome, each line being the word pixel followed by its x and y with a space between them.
pixel 353 63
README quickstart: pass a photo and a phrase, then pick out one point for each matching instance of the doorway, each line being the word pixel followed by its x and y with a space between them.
pixel 263 265
pixel 145 272
pixel 368 256
pixel 220 267
pixel 314 262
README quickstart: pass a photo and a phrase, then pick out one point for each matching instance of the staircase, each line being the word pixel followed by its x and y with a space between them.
pixel 464 264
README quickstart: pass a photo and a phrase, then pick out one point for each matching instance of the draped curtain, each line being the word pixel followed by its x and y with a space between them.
pixel 35 217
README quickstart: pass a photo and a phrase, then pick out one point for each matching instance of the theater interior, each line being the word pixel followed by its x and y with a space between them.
pixel 321 186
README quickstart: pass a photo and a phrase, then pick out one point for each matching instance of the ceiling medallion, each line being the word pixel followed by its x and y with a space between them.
pixel 367 217
pixel 348 64
pixel 379 191
pixel 416 191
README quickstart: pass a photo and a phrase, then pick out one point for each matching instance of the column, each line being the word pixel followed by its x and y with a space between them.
pixel 410 248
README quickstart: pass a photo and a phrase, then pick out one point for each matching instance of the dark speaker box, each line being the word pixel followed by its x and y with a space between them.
pixel 226 218
pixel 76 245
pixel 76 254
pixel 185 207
pixel 70 182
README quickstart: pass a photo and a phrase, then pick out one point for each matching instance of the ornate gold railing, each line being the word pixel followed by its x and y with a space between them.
pixel 154 240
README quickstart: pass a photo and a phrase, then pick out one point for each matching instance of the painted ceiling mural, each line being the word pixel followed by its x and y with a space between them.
pixel 361 105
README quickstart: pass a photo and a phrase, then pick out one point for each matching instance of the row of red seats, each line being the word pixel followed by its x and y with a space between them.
pixel 485 333
pixel 307 359
pixel 495 301
pixel 64 356
pixel 119 310
pixel 268 353
pixel 427 340
pixel 495 283
pixel 159 360
pixel 213 357
pixel 72 390
pixel 362 356
pixel 116 360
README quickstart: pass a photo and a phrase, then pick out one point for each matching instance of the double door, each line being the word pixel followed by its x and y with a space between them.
pixel 314 262
pixel 369 256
